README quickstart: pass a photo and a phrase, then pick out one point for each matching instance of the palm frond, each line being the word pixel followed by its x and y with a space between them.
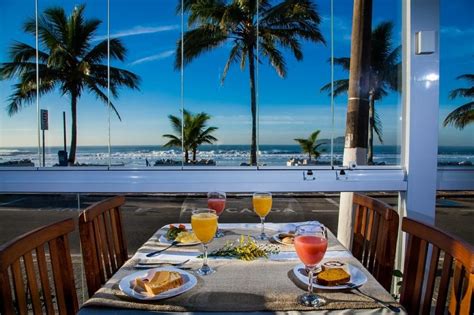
pixel 197 41
pixel 461 116
pixel 234 56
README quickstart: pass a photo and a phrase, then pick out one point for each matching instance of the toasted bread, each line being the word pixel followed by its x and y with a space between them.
pixel 333 277
pixel 159 282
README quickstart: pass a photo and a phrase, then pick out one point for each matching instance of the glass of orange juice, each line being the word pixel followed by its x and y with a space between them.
pixel 262 204
pixel 204 224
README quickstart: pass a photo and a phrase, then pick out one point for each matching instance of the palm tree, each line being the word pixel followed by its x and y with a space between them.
pixel 383 77
pixel 309 145
pixel 68 61
pixel 195 133
pixel 213 23
pixel 464 114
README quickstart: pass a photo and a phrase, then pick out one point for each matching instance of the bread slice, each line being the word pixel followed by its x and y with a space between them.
pixel 159 282
pixel 332 277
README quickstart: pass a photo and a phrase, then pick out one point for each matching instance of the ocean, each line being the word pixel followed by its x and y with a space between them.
pixel 222 155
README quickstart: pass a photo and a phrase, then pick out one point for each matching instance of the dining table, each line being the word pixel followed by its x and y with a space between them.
pixel 267 285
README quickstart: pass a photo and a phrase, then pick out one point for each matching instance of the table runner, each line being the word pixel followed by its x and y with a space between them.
pixel 261 285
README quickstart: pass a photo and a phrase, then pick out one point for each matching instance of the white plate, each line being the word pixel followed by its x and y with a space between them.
pixel 277 239
pixel 164 240
pixel 357 277
pixel 189 282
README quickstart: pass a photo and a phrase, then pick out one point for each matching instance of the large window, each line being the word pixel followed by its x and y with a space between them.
pixel 250 86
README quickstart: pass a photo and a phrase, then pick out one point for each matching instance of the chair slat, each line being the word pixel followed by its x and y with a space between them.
pixel 444 284
pixel 68 275
pixel 367 234
pixel 6 299
pixel 32 283
pixel 45 286
pixel 457 291
pixel 358 239
pixel 374 236
pixel 90 257
pixel 116 236
pixel 110 241
pixel 100 251
pixel 55 253
pixel 105 246
pixel 20 293
pixel 428 296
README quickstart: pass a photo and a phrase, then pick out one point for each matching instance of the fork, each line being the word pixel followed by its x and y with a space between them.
pixel 174 243
pixel 353 286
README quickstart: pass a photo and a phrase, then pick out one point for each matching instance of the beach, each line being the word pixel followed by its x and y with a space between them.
pixel 221 155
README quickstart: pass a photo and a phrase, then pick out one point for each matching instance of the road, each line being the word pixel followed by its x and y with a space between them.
pixel 145 214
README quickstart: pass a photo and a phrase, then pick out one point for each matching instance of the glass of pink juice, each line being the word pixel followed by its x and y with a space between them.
pixel 310 244
pixel 216 201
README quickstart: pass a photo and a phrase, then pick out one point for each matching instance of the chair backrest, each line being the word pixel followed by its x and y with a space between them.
pixel 425 244
pixel 374 238
pixel 27 255
pixel 104 248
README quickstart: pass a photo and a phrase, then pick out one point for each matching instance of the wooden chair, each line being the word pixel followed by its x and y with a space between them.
pixel 19 256
pixel 425 243
pixel 104 248
pixel 375 237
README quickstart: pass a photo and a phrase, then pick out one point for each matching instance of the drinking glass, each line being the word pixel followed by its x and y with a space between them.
pixel 216 201
pixel 262 204
pixel 204 224
pixel 310 245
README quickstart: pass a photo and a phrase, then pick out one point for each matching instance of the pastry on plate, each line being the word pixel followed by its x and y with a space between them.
pixel 157 282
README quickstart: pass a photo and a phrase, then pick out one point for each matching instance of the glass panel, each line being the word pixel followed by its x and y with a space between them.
pixel 293 109
pixel 456 94
pixel 80 82
pixel 149 31
pixel 294 66
pixel 18 131
pixel 224 104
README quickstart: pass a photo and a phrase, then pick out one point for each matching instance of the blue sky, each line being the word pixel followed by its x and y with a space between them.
pixel 289 108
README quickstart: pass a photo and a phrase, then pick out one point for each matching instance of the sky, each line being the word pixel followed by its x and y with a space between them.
pixel 288 108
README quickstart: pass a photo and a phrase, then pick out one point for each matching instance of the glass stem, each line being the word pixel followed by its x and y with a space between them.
pixel 310 283
pixel 262 220
pixel 204 260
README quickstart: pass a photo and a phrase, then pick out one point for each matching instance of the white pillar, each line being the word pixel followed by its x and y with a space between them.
pixel 420 77
pixel 420 115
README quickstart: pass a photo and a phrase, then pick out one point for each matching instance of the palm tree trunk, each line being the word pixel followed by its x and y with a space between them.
pixel 186 156
pixel 253 106
pixel 194 154
pixel 355 148
pixel 370 149
pixel 72 154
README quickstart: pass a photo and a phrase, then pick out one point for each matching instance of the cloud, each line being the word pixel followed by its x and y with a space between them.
pixel 162 55
pixel 456 31
pixel 140 30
